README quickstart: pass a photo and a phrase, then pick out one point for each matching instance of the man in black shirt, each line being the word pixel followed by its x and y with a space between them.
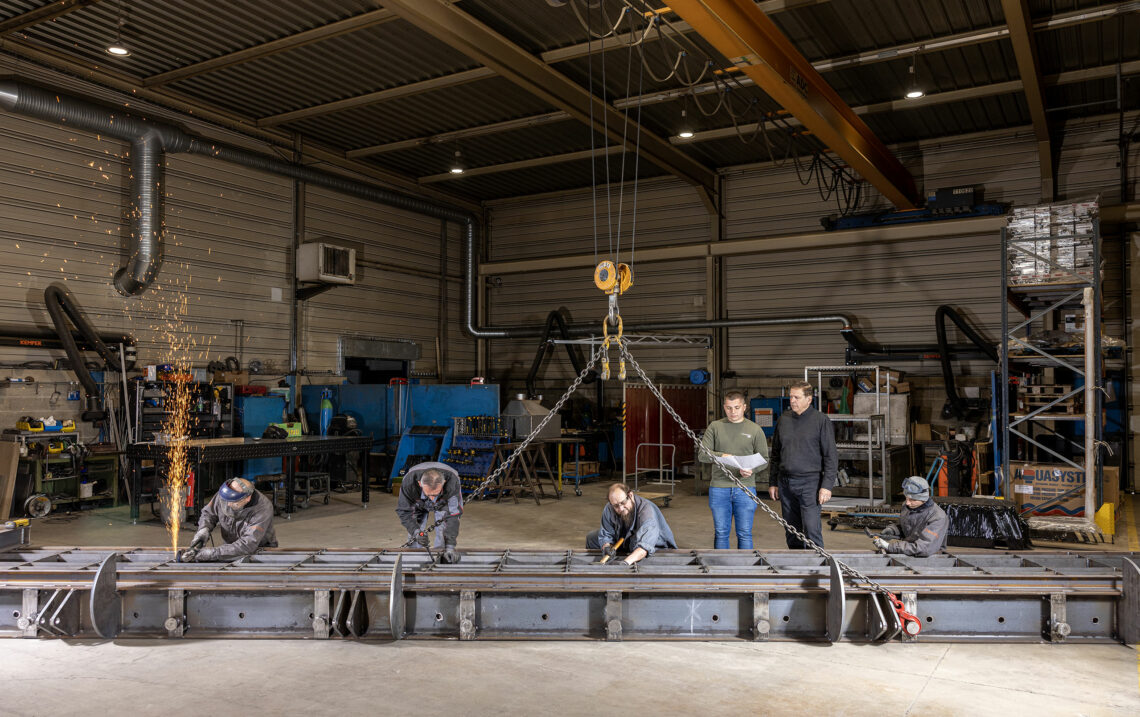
pixel 804 464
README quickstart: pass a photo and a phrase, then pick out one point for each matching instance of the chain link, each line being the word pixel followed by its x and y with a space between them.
pixel 847 570
pixel 522 446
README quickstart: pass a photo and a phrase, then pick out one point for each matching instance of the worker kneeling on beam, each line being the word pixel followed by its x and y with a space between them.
pixel 633 522
pixel 432 490
pixel 922 526
pixel 245 518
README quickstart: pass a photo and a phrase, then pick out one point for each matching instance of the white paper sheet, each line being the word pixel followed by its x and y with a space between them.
pixel 748 463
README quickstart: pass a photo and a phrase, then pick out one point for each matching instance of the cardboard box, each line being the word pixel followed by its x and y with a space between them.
pixel 900 387
pixel 887 376
pixel 1036 484
pixel 583 468
pixel 238 378
pixel 922 432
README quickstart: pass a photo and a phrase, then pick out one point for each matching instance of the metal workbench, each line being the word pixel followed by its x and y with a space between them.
pixel 203 452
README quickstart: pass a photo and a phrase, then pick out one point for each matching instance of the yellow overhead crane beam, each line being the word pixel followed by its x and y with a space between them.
pixel 741 31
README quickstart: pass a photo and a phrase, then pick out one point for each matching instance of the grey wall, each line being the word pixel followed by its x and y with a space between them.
pixel 891 288
pixel 229 233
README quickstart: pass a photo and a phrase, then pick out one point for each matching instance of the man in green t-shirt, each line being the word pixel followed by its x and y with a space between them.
pixel 733 435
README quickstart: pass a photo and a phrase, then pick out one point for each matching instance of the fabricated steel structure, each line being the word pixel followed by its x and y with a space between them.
pixel 91 593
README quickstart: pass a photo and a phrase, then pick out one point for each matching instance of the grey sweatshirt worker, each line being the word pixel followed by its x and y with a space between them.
pixel 414 507
pixel 646 530
pixel 244 530
pixel 735 439
pixel 920 532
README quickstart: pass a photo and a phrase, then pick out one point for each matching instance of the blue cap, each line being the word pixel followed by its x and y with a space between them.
pixel 230 494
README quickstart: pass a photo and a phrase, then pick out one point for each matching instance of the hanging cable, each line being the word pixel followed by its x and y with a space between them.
pixel 593 148
pixel 624 144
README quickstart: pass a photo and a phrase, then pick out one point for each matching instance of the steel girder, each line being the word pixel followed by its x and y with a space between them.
pixel 959 596
pixel 740 31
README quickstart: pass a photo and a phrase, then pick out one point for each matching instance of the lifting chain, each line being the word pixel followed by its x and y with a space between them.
pixel 522 446
pixel 910 622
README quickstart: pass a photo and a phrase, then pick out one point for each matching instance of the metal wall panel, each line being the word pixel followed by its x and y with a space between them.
pixel 661 291
pixel 383 303
pixel 229 229
pixel 668 213
pixel 893 289
pixel 228 234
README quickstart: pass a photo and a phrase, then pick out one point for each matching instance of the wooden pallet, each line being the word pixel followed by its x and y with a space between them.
pixel 1068 407
pixel 1046 390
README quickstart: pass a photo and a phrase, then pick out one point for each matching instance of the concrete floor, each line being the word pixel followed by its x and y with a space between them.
pixel 288 677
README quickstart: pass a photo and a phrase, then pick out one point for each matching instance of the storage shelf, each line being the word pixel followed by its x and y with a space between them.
pixel 1035 306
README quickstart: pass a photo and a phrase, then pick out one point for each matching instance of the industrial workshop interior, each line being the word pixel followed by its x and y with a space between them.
pixel 498 357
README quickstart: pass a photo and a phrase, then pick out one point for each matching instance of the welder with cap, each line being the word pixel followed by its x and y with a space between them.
pixel 922 526
pixel 430 492
pixel 245 518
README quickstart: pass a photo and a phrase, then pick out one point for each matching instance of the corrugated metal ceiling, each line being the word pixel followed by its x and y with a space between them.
pixel 384 51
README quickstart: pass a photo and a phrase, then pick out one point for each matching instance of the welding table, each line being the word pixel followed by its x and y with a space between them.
pixel 224 450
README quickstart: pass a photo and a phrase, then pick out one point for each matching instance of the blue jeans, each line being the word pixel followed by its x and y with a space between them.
pixel 729 503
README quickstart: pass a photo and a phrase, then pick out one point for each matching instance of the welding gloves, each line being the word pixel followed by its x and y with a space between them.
pixel 880 544
pixel 419 538
pixel 609 551
pixel 450 555
pixel 200 539
pixel 205 555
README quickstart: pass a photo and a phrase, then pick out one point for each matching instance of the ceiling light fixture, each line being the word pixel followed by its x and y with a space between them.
pixel 913 89
pixel 686 131
pixel 118 48
pixel 457 165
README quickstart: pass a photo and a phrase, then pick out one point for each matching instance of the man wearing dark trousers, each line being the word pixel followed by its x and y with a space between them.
pixel 804 463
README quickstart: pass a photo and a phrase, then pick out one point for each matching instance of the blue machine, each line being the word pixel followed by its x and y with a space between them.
pixel 428 431
pixel 410 420
pixel 255 413
pixel 369 404
pixel 766 411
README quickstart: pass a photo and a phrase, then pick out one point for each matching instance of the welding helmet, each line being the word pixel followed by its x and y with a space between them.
pixel 235 490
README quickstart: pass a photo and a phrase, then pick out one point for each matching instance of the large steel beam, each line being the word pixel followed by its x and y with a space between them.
pixel 265 49
pixel 745 35
pixel 959 595
pixel 43 14
pixel 550 57
pixel 1020 25
pixel 471 37
pixel 178 102
pixel 524 164
pixel 938 98
pixel 882 54
pixel 371 98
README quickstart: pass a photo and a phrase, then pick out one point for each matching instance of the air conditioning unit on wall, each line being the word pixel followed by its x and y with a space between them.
pixel 317 261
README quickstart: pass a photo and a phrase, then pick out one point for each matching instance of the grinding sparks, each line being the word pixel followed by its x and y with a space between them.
pixel 177 428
